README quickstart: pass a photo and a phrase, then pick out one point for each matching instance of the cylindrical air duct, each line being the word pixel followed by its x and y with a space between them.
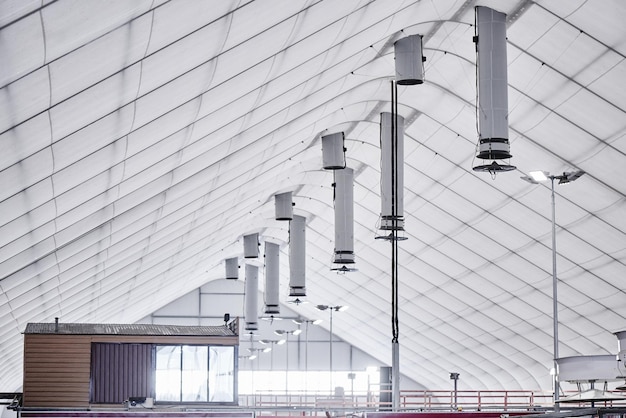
pixel 272 274
pixel 251 246
pixel 284 206
pixel 493 108
pixel 297 256
pixel 231 266
pixel 344 216
pixel 621 348
pixel 333 151
pixel 392 184
pixel 251 313
pixel 409 60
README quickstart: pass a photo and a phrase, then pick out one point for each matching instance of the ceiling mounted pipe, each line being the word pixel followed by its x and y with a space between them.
pixel 231 265
pixel 251 246
pixel 333 151
pixel 251 314
pixel 297 256
pixel 272 275
pixel 392 181
pixel 284 206
pixel 621 348
pixel 409 60
pixel 492 107
pixel 344 216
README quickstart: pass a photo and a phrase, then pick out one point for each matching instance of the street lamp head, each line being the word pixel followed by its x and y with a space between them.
pixel 296 331
pixel 570 176
pixel 536 177
pixel 322 307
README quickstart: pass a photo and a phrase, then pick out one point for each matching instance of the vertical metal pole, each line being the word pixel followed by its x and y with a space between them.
pixel 395 346
pixel 331 351
pixel 555 311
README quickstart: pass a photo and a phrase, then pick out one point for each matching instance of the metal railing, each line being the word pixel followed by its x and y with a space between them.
pixel 302 403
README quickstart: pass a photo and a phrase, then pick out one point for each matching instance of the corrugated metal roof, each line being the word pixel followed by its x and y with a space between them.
pixel 128 329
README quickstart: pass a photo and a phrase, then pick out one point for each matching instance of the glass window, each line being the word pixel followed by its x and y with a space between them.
pixel 194 373
pixel 168 373
pixel 222 374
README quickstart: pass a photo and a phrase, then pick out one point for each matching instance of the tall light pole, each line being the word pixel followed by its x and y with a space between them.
pixel 535 177
pixel 300 321
pixel 337 308
pixel 272 343
pixel 286 333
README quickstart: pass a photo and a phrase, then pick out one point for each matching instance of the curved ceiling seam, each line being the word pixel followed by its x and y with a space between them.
pixel 565 77
pixel 193 98
pixel 183 128
pixel 190 69
pixel 177 106
pixel 578 29
pixel 30 72
pixel 28 14
pixel 159 193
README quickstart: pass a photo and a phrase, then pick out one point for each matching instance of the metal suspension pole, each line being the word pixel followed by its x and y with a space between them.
pixel 555 311
pixel 395 346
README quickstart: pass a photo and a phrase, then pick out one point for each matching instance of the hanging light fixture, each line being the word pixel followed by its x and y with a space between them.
pixel 409 60
pixel 492 106
pixel 284 206
pixel 333 151
pixel 251 246
pixel 297 256
pixel 231 266
pixel 251 313
pixel 344 216
pixel 272 270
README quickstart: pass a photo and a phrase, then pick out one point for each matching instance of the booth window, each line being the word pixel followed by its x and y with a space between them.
pixel 194 373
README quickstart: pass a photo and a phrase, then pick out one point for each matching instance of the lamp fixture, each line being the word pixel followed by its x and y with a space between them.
pixel 535 177
pixel 285 332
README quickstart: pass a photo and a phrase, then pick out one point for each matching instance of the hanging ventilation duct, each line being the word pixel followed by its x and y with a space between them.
pixel 251 246
pixel 409 60
pixel 232 268
pixel 272 270
pixel 297 256
pixel 333 151
pixel 492 107
pixel 392 184
pixel 344 216
pixel 251 294
pixel 621 348
pixel 284 206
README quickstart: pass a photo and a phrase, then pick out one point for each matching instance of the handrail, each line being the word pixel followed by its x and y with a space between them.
pixel 412 400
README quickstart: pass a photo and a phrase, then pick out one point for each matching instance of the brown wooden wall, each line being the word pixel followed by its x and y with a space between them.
pixel 57 367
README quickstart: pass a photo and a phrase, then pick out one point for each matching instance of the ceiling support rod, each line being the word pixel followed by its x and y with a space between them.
pixel 395 346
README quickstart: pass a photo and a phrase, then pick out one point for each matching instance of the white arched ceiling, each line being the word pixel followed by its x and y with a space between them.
pixel 141 140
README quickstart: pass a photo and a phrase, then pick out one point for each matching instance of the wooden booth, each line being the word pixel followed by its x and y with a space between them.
pixel 131 365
